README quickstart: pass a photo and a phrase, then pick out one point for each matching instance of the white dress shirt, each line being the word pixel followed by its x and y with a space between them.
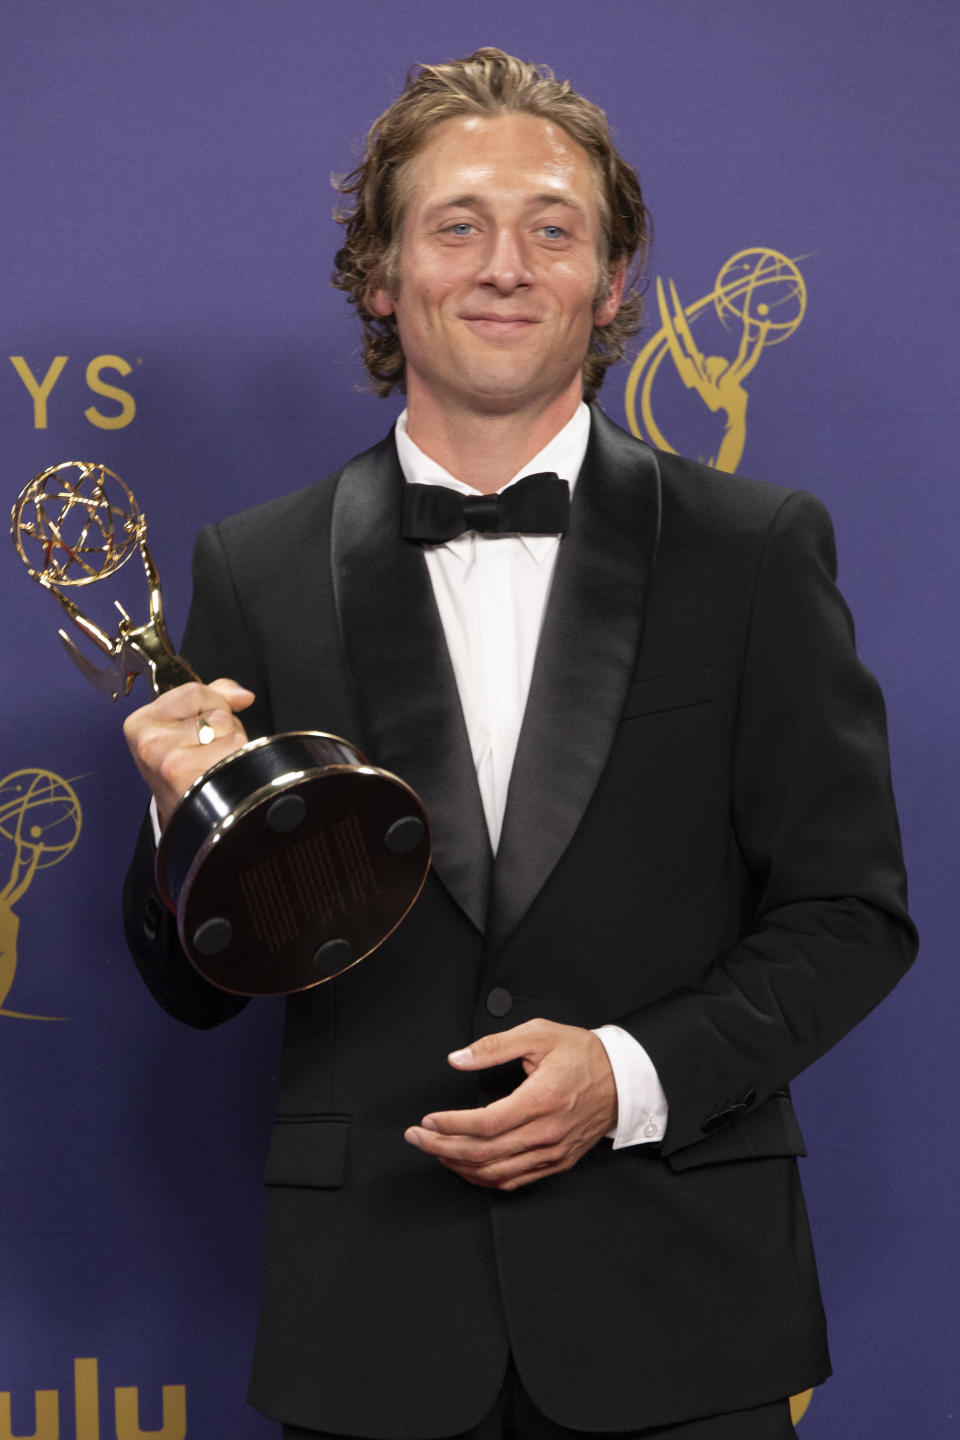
pixel 491 592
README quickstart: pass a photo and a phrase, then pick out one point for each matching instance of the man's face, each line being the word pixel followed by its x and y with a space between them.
pixel 499 267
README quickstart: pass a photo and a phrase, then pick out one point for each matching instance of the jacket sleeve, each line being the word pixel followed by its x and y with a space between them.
pixel 217 643
pixel 814 819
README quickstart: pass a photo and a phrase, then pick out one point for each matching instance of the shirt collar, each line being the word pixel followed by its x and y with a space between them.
pixel 563 455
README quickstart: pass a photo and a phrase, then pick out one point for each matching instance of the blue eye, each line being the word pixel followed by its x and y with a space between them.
pixel 461 227
pixel 554 232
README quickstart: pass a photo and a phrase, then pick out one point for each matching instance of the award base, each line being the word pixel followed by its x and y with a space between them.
pixel 289 861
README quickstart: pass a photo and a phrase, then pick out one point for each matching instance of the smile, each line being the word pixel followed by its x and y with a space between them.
pixel 499 324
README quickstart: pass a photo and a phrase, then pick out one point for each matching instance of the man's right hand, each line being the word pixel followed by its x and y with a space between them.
pixel 164 736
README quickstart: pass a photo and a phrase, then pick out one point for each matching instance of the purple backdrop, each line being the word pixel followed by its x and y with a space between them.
pixel 167 229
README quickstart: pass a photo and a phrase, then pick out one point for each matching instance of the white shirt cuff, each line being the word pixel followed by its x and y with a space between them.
pixel 155 820
pixel 641 1104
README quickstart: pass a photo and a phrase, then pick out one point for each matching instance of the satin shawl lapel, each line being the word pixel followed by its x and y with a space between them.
pixel 587 652
pixel 405 690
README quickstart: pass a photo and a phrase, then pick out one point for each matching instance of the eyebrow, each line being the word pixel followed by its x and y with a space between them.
pixel 548 197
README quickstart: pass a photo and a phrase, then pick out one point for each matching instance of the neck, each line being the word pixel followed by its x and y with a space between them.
pixel 485 450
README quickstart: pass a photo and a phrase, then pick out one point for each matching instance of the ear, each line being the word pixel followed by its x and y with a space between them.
pixel 381 303
pixel 610 304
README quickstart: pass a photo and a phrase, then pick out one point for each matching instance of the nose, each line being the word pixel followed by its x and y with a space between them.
pixel 505 265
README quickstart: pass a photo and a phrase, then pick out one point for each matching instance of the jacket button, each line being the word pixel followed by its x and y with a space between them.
pixel 499 1002
pixel 722 1118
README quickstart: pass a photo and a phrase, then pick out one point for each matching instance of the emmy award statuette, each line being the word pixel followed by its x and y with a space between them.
pixel 286 862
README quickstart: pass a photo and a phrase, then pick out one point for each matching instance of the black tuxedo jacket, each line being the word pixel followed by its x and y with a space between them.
pixel 700 845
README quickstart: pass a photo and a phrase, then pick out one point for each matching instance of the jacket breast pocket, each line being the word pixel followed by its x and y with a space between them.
pixel 770 1131
pixel 308 1150
pixel 678 690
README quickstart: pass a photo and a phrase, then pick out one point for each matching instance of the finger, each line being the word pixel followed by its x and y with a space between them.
pixel 482 1147
pixel 524 1041
pixel 218 719
pixel 487 1122
pixel 206 733
pixel 188 703
pixel 515 1172
pixel 506 1183
pixel 185 702
pixel 237 696
pixel 174 716
pixel 156 735
pixel 211 726
pixel 546 1147
pixel 509 1154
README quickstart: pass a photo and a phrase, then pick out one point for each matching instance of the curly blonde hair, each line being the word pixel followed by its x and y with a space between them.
pixel 488 82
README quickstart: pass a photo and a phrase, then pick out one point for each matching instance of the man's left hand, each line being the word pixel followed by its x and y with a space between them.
pixel 563 1107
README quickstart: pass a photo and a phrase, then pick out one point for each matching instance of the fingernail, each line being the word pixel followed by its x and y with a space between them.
pixel 411 1137
pixel 460 1057
pixel 428 1124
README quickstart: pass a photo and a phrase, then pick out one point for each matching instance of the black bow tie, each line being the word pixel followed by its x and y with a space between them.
pixel 535 505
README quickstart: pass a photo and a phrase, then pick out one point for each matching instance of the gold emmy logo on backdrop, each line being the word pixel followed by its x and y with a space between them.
pixel 39 388
pixel 40 818
pixel 759 293
pixel 800 1404
pixel 86 1410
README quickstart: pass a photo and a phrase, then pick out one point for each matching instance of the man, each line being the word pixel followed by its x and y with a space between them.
pixel 534 1167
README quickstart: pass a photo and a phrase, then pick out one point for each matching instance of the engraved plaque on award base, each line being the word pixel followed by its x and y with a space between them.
pixel 286 862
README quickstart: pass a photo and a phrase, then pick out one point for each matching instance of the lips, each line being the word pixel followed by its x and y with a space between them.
pixel 503 323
